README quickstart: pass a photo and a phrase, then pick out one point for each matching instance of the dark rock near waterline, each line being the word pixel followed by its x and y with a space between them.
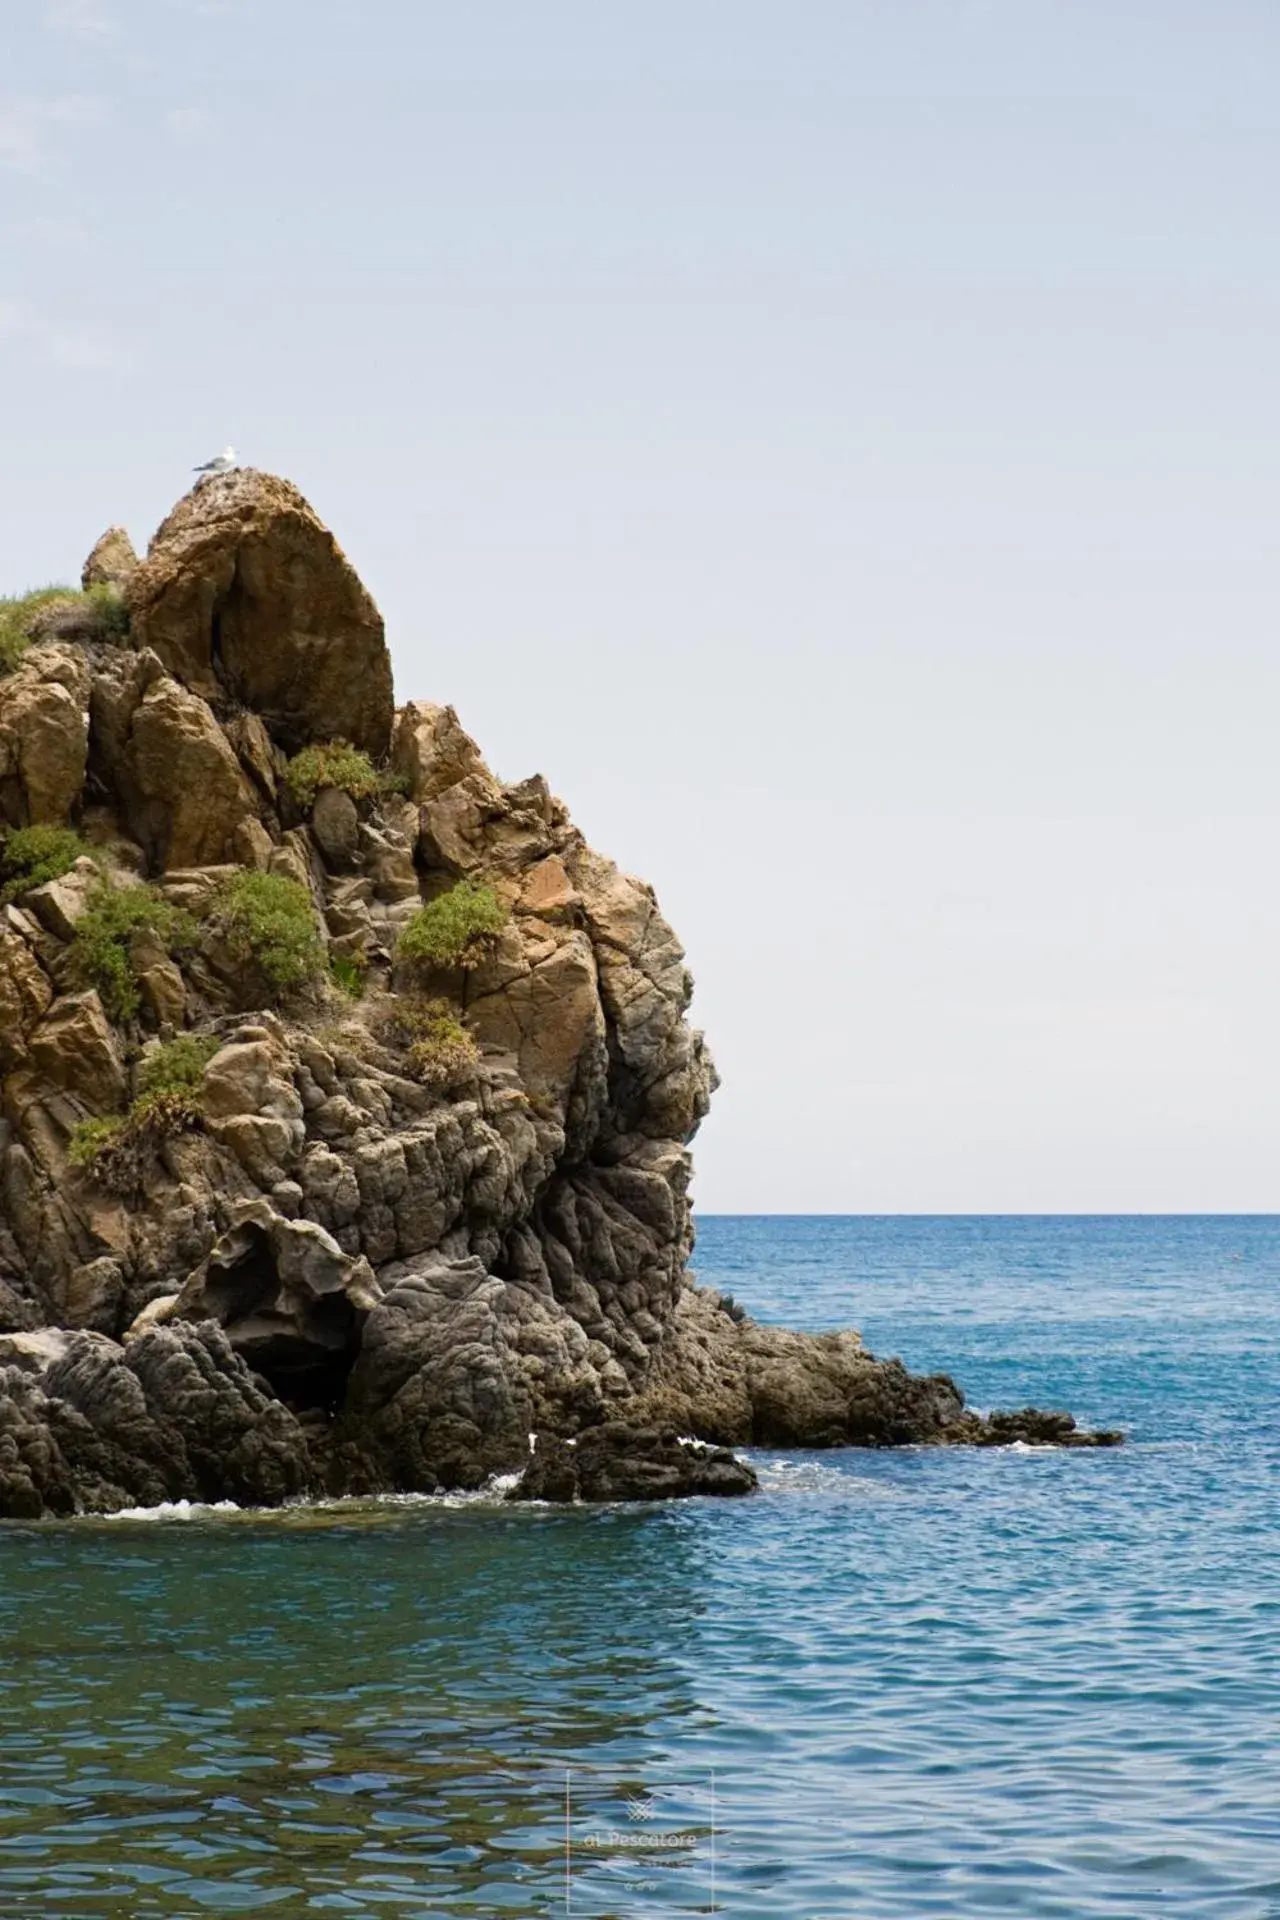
pixel 620 1462
pixel 175 1416
pixel 1032 1427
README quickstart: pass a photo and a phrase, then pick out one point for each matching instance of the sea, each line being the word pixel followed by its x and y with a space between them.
pixel 890 1686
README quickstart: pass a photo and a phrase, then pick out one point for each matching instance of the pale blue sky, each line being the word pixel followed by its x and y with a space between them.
pixel 837 443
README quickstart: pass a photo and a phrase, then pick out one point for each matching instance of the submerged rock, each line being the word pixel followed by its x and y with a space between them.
pixel 349 1255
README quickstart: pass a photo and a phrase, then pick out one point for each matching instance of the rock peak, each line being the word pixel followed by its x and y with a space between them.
pixel 245 592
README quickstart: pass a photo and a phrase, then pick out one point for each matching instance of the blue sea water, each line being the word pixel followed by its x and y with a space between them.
pixel 891 1686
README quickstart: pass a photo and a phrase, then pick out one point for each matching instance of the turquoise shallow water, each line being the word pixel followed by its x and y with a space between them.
pixel 908 1684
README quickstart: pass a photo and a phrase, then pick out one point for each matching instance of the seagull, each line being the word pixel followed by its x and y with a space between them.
pixel 225 463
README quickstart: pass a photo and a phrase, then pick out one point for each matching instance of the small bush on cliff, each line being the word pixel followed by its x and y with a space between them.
pixel 269 920
pixel 102 948
pixel 441 1051
pixel 331 763
pixel 89 1138
pixel 115 1151
pixel 457 929
pixel 177 1066
pixel 31 855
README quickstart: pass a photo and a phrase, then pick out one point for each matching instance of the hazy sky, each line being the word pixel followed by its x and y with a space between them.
pixel 837 443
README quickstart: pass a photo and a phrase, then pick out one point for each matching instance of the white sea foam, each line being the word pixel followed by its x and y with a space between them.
pixel 173 1510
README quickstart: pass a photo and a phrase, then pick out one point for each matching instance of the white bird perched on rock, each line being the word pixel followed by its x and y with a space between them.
pixel 225 463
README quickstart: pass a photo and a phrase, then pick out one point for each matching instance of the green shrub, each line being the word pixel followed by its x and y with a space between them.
pixel 441 1051
pixel 115 1151
pixel 457 929
pixel 102 947
pixel 177 1066
pixel 270 921
pixel 331 763
pixel 18 615
pixel 31 855
pixel 92 1137
pixel 349 973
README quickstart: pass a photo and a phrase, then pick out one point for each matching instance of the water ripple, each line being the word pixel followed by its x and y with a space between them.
pixel 896 1685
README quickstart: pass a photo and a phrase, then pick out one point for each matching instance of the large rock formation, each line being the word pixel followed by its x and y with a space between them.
pixel 330 1259
pixel 244 594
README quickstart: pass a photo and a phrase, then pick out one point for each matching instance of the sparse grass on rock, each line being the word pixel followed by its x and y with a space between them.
pixel 442 1051
pixel 114 1149
pixel 269 921
pixel 102 947
pixel 17 614
pixel 458 929
pixel 31 855
pixel 46 610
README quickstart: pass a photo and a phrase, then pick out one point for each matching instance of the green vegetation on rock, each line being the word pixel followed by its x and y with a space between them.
pixel 102 947
pixel 349 973
pixel 336 763
pixel 89 1138
pixel 457 929
pixel 31 855
pixel 331 763
pixel 21 615
pixel 441 1050
pixel 115 1150
pixel 17 612
pixel 269 920
pixel 177 1065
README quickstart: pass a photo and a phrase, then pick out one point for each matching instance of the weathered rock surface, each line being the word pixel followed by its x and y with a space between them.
pixel 44 736
pixel 244 591
pixel 330 1270
pixel 75 1048
pixel 112 562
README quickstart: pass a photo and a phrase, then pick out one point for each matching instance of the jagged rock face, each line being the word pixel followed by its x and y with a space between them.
pixel 176 780
pixel 341 1274
pixel 175 1416
pixel 244 592
pixel 44 737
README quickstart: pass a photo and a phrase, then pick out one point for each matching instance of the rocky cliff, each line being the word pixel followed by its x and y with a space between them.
pixel 347 1093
